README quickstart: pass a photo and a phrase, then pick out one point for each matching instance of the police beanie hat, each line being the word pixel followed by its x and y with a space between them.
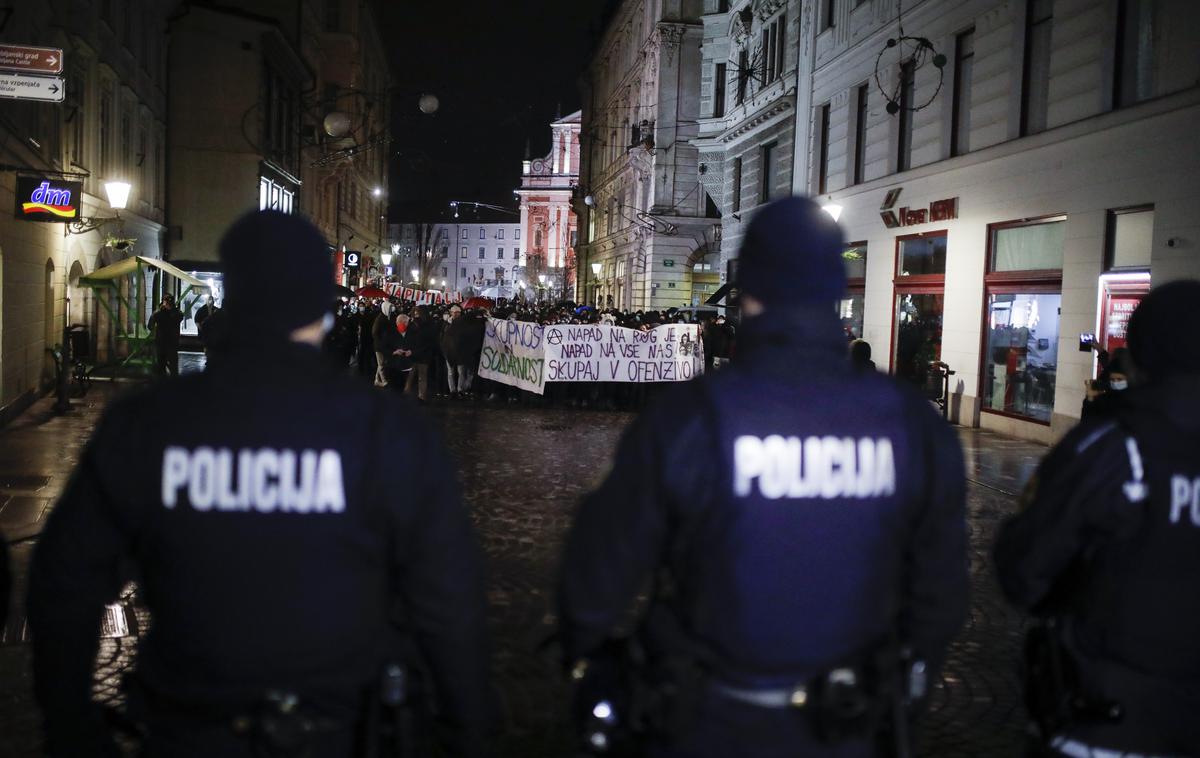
pixel 278 274
pixel 792 254
pixel 1162 331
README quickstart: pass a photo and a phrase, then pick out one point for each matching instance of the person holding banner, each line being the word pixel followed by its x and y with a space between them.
pixel 801 526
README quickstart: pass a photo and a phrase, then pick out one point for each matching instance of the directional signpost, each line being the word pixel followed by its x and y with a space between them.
pixel 31 73
pixel 31 60
pixel 25 87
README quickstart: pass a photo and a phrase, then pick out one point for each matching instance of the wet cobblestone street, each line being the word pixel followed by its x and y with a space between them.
pixel 523 471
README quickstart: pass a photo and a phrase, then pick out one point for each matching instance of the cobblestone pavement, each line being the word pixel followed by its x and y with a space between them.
pixel 523 471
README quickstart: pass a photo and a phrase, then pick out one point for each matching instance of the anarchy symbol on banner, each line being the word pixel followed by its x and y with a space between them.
pixel 554 336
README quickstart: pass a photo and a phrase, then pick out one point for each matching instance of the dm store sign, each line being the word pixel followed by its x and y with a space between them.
pixel 42 199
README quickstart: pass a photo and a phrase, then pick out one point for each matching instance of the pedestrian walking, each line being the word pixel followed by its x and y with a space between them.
pixel 802 527
pixel 164 325
pixel 1100 553
pixel 379 339
pixel 286 572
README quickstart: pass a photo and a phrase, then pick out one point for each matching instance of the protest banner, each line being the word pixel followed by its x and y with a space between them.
pixel 527 356
pixel 600 353
pixel 512 354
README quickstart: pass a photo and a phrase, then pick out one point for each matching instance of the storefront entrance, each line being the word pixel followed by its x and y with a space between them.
pixel 919 304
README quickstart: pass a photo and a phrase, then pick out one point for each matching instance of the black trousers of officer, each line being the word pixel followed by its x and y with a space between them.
pixel 725 728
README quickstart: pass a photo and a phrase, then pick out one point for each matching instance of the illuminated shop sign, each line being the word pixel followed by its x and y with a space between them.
pixel 938 210
pixel 42 199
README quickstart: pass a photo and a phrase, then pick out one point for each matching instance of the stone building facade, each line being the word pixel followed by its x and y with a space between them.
pixel 471 257
pixel 1025 194
pixel 644 214
pixel 547 216
pixel 111 125
pixel 251 88
pixel 749 84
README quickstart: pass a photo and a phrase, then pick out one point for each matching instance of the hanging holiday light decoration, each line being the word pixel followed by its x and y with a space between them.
pixel 917 50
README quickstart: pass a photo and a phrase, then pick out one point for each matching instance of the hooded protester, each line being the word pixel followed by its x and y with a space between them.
pixel 284 571
pixel 804 523
pixel 1110 531
pixel 860 355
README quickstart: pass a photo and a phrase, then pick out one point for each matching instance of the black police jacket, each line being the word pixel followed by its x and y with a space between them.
pixel 1110 536
pixel 277 546
pixel 804 512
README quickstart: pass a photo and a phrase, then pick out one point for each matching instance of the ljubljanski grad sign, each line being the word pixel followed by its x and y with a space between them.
pixel 42 199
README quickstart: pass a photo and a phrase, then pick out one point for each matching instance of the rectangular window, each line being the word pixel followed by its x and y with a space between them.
pixel 828 8
pixel 767 167
pixel 851 307
pixel 773 37
pixel 517 233
pixel 908 74
pixel 462 252
pixel 719 90
pixel 445 271
pixel 1035 247
pixel 500 253
pixel 964 63
pixel 76 88
pixel 1130 232
pixel 1133 80
pixel 920 287
pixel 736 203
pixel 482 233
pixel 1035 82
pixel 923 255
pixel 482 252
pixel 160 173
pixel 860 132
pixel 333 15
pixel 480 274
pixel 823 151
pixel 743 75
pixel 463 274
pixel 105 132
pixel 499 234
pixel 1024 302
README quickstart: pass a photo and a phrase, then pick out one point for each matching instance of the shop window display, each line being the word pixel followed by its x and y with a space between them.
pixel 1021 327
pixel 1021 357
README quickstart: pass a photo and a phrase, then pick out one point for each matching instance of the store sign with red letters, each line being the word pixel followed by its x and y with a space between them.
pixel 938 210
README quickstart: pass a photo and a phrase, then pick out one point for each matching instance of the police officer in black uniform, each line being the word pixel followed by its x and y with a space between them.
pixel 1109 547
pixel 283 567
pixel 795 516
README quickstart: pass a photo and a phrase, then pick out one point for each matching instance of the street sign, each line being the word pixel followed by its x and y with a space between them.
pixel 25 87
pixel 31 60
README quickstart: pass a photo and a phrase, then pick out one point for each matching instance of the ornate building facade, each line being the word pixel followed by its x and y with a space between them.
pixel 646 217
pixel 749 84
pixel 547 216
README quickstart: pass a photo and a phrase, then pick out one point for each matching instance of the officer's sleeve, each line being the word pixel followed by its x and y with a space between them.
pixel 443 587
pixel 75 572
pixel 937 575
pixel 1075 496
pixel 617 540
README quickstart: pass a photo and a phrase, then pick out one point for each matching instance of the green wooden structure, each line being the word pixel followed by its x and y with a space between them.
pixel 166 279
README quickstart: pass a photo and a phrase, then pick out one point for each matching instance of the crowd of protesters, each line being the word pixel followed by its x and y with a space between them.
pixel 432 351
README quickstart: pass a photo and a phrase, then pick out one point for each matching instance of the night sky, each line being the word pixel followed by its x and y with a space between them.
pixel 502 71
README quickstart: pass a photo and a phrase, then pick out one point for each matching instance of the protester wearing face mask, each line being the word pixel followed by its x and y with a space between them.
pixel 1109 391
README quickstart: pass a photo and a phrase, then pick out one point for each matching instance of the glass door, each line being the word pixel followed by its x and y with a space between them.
pixel 920 286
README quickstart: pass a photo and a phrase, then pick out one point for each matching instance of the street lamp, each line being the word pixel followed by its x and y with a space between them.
pixel 118 199
pixel 833 209
pixel 416 275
